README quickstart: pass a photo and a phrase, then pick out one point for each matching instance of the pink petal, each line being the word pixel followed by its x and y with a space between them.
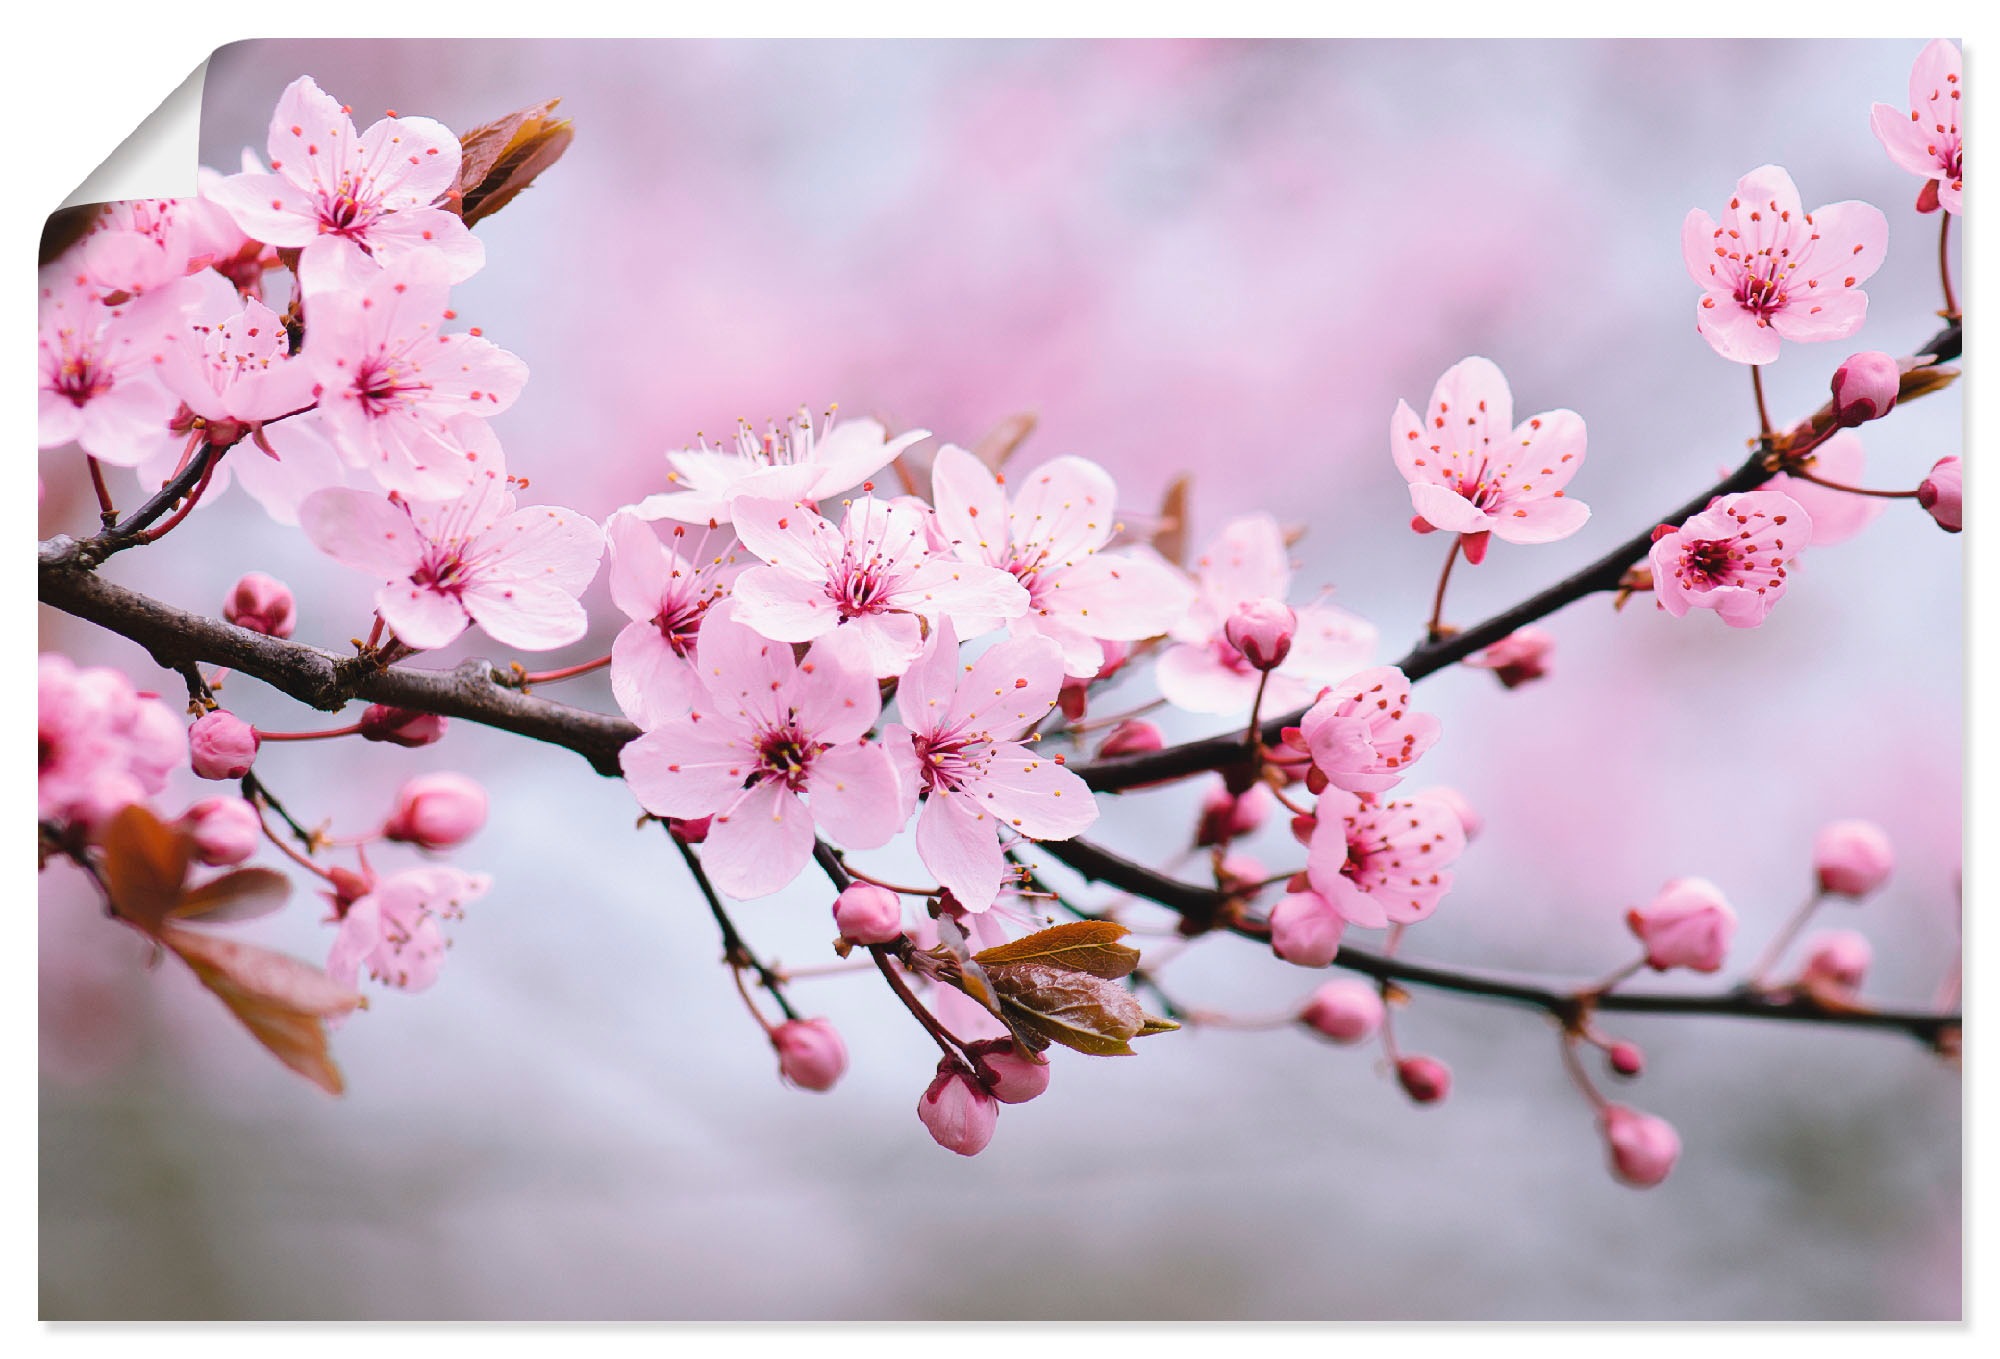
pixel 959 844
pixel 835 697
pixel 639 566
pixel 1541 521
pixel 688 766
pixel 783 606
pixel 420 616
pixel 1009 688
pixel 1734 333
pixel 971 508
pixel 1447 509
pixel 651 682
pixel 1191 678
pixel 414 161
pixel 533 615
pixel 1472 407
pixel 363 530
pixel 856 795
pixel 1033 794
pixel 761 845
pixel 789 534
pixel 1067 504
pixel 546 544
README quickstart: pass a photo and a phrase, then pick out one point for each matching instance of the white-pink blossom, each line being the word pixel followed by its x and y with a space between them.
pixel 476 559
pixel 101 744
pixel 231 359
pixel 773 749
pixel 1048 527
pixel 1364 733
pixel 1926 141
pixel 346 199
pixel 665 589
pixel 1388 863
pixel 960 743
pixel 97 379
pixel 789 462
pixel 875 576
pixel 395 931
pixel 1733 557
pixel 1204 673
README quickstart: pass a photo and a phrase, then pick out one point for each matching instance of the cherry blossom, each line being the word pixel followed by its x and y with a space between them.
pixel 346 199
pixel 1364 733
pixel 772 749
pixel 1517 658
pixel 1204 673
pixel 789 462
pixel 1382 864
pixel 231 360
pixel 98 382
pixel 395 930
pixel 392 379
pixel 874 576
pixel 665 591
pixel 101 744
pixel 1836 515
pixel 1774 271
pixel 1928 143
pixel 1852 858
pixel 810 1053
pixel 136 245
pixel 1732 557
pixel 476 559
pixel 1473 471
pixel 1688 924
pixel 1050 533
pixel 960 742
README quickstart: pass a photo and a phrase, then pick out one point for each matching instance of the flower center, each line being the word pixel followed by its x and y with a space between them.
pixel 950 760
pixel 78 380
pixel 679 622
pixel 379 384
pixel 1708 563
pixel 786 755
pixel 860 590
pixel 1759 295
pixel 443 569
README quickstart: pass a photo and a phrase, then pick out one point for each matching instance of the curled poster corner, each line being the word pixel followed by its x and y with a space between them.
pixel 158 159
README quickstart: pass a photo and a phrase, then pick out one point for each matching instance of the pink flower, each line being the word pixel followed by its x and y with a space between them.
pixel 1731 557
pixel 874 576
pixel 1774 271
pixel 1687 925
pixel 392 379
pixel 346 199
pixel 224 830
pixel 260 603
pixel 437 811
pixel 139 244
pixel 810 1053
pixel 1643 1148
pixel 867 914
pixel 475 559
pixel 766 735
pixel 1346 1010
pixel 1520 656
pixel 1364 733
pixel 957 1111
pixel 665 591
pixel 1306 929
pixel 1383 864
pixel 1942 494
pixel 1928 143
pixel 1836 515
pixel 1007 1075
pixel 394 930
pixel 101 746
pixel 1050 534
pixel 222 745
pixel 959 742
pixel 231 359
pixel 1472 471
pixel 98 381
pixel 1865 388
pixel 400 726
pixel 1203 673
pixel 1852 858
pixel 794 462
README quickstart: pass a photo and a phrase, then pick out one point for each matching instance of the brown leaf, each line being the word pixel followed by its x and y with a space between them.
pixel 244 894
pixel 282 1001
pixel 999 443
pixel 145 864
pixel 1058 1005
pixel 1923 380
pixel 1082 945
pixel 503 157
pixel 1170 538
pixel 1155 1024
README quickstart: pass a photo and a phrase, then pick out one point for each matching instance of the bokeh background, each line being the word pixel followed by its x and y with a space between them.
pixel 1228 259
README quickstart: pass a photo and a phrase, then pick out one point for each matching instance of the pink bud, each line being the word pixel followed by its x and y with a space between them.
pixel 1687 925
pixel 437 811
pixel 222 745
pixel 258 603
pixel 810 1053
pixel 957 1112
pixel 1131 738
pixel 1836 963
pixel 1470 821
pixel 1007 1075
pixel 1305 929
pixel 1852 858
pixel 224 830
pixel 867 914
pixel 348 887
pixel 1226 815
pixel 1943 494
pixel 400 726
pixel 1262 629
pixel 1424 1079
pixel 1239 873
pixel 1864 388
pixel 1419 524
pixel 1626 1059
pixel 1347 1010
pixel 1643 1148
pixel 694 832
pixel 1520 656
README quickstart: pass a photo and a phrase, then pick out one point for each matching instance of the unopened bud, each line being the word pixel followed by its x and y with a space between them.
pixel 1306 930
pixel 1852 858
pixel 1836 963
pixel 1864 388
pixel 1687 925
pixel 1135 737
pixel 1226 815
pixel 1346 1011
pixel 957 1111
pixel 810 1053
pixel 258 603
pixel 1262 629
pixel 1626 1059
pixel 867 914
pixel 1943 494
pixel 437 811
pixel 224 830
pixel 400 726
pixel 1424 1079
pixel 1007 1075
pixel 222 745
pixel 1643 1148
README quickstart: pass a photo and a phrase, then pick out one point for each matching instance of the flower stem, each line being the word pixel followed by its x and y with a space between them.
pixel 106 513
pixel 1251 738
pixel 153 535
pixel 1944 268
pixel 1803 475
pixel 1776 949
pixel 353 730
pixel 1435 628
pixel 1763 411
pixel 1577 1074
pixel 567 672
pixel 735 952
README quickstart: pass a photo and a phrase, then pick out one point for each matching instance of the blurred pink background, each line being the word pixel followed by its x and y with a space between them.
pixel 1229 259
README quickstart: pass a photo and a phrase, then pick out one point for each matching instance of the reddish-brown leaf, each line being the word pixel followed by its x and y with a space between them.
pixel 999 443
pixel 145 864
pixel 1082 945
pixel 503 157
pixel 1057 1005
pixel 244 894
pixel 282 1001
pixel 1170 536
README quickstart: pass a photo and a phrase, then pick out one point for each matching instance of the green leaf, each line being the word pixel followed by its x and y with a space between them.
pixel 1080 945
